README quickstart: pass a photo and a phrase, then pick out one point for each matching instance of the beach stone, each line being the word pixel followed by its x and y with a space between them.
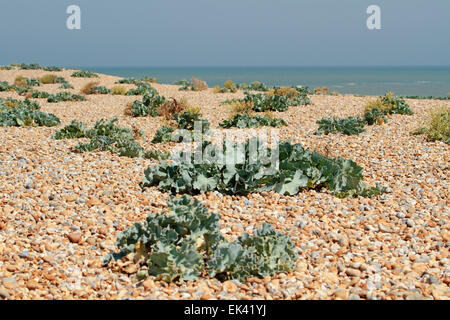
pixel 229 286
pixel 4 294
pixel 353 272
pixel 74 237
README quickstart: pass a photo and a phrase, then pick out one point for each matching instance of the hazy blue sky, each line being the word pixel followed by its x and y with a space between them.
pixel 225 33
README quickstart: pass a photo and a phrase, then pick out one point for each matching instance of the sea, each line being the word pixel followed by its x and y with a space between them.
pixel 405 81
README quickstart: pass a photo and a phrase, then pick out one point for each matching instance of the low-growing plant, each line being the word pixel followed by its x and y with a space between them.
pixel 238 107
pixel 257 86
pixel 142 88
pixel 66 85
pixel 247 121
pixel 14 113
pixel 186 242
pixel 348 126
pixel 298 169
pixel 6 67
pixel 65 96
pixel 40 94
pixel 438 126
pixel 374 116
pixel 229 86
pixel 48 79
pixel 33 82
pixel 151 102
pixel 4 86
pixel 389 104
pixel 84 74
pixel 31 66
pixel 100 90
pixel 52 68
pixel 163 135
pixel 322 90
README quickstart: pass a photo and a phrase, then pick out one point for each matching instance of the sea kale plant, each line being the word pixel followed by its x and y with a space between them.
pixel 15 113
pixel 151 100
pixel 106 136
pixel 286 169
pixel 348 126
pixel 84 74
pixel 247 121
pixel 65 96
pixel 186 242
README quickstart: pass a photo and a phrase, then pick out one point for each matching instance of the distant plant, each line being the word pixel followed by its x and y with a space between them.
pixel 49 79
pixel 229 86
pixel 52 68
pixel 66 85
pixel 4 86
pixel 322 90
pixel 257 86
pixel 31 66
pixel 389 104
pixel 5 67
pixel 20 81
pixel 40 94
pixel 247 121
pixel 84 74
pixel 101 90
pixel 374 116
pixel 142 88
pixel 88 88
pixel 186 242
pixel 438 125
pixel 118 90
pixel 65 96
pixel 194 85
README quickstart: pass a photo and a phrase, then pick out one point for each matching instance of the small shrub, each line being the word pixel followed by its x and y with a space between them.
pixel 52 68
pixel 65 85
pixel 163 135
pixel 84 74
pixel 89 88
pixel 389 104
pixel 170 108
pixel 4 86
pixel 348 126
pixel 151 100
pixel 40 94
pixel 142 88
pixel 438 126
pixel 15 113
pixel 32 82
pixel 120 90
pixel 247 121
pixel 48 79
pixel 64 96
pixel 374 116
pixel 257 86
pixel 20 81
pixel 322 90
pixel 194 84
pixel 238 107
pixel 31 66
pixel 101 90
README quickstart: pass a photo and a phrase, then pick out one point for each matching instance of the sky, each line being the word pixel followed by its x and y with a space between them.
pixel 226 33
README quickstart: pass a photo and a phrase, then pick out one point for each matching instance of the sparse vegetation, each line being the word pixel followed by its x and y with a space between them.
pixel 15 113
pixel 437 127
pixel 247 121
pixel 88 88
pixel 194 85
pixel 229 86
pixel 65 96
pixel 49 79
pixel 84 74
pixel 119 90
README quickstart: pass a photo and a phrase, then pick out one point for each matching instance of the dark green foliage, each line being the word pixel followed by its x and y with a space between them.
pixel 65 96
pixel 74 130
pixel 247 121
pixel 106 136
pixel 157 155
pixel 84 74
pixel 51 68
pixel 426 97
pixel 25 113
pixel 187 119
pixel 32 66
pixel 128 81
pixel 183 243
pixel 100 90
pixel 32 82
pixel 374 116
pixel 298 169
pixel 163 135
pixel 262 102
pixel 66 85
pixel 40 94
pixel 4 86
pixel 348 126
pixel 398 105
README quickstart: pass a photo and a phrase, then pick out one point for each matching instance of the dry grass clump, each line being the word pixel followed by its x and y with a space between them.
pixel 89 88
pixel 438 125
pixel 283 91
pixel 20 81
pixel 322 90
pixel 377 104
pixel 171 107
pixel 241 107
pixel 217 89
pixel 118 90
pixel 198 85
pixel 48 79
pixel 194 109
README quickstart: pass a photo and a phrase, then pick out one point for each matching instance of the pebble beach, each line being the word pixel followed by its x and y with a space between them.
pixel 60 211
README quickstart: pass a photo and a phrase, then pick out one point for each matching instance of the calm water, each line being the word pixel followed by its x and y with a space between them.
pixel 423 81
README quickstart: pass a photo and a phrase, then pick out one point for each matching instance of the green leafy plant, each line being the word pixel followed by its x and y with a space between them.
pixel 194 85
pixel 298 169
pixel 348 126
pixel 101 90
pixel 151 101
pixel 185 242
pixel 31 66
pixel 229 86
pixel 163 135
pixel 257 86
pixel 84 74
pixel 15 113
pixel 52 68
pixel 33 82
pixel 65 96
pixel 374 116
pixel 66 85
pixel 142 89
pixel 247 121
pixel 40 94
